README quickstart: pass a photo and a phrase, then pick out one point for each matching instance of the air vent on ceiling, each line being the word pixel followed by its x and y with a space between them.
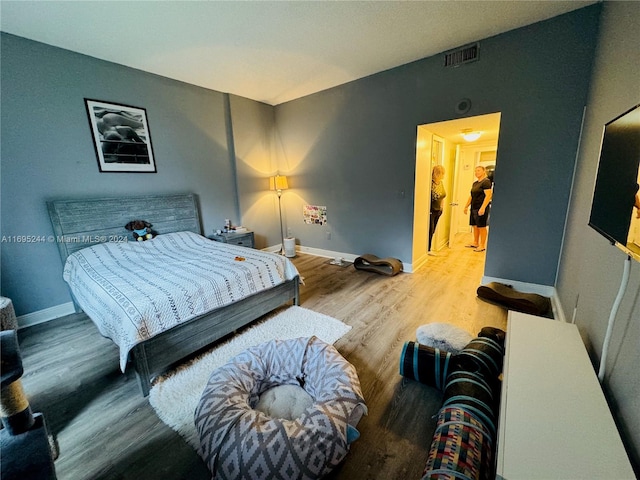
pixel 462 55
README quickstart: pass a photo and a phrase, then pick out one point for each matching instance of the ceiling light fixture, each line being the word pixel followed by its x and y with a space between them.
pixel 470 136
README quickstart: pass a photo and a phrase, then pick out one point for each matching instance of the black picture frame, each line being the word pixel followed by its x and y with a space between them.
pixel 121 137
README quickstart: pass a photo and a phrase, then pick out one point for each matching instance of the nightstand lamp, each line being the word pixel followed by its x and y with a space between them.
pixel 279 183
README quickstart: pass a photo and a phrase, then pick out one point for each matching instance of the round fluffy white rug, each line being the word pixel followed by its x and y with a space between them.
pixel 444 336
pixel 174 397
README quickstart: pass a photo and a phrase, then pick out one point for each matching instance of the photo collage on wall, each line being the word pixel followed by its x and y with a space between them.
pixel 314 214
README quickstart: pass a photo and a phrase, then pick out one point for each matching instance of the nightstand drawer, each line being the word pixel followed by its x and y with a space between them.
pixel 244 239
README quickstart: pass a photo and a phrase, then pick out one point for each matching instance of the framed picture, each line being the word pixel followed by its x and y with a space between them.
pixel 121 137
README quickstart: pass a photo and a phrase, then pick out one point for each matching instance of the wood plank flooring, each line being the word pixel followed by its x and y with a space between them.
pixel 105 429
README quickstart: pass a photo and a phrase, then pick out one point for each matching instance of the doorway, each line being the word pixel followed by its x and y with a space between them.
pixel 442 143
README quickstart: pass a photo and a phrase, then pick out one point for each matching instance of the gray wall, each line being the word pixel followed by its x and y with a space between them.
pixel 47 152
pixel 352 148
pixel 591 269
pixel 253 125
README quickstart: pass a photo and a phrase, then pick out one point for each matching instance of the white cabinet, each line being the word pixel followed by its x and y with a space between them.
pixel 554 419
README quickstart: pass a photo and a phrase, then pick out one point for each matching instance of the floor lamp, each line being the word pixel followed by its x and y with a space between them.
pixel 279 183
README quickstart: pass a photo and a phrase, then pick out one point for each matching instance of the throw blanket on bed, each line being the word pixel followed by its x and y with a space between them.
pixel 135 290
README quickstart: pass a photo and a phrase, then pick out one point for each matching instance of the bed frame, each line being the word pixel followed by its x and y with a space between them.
pixel 79 223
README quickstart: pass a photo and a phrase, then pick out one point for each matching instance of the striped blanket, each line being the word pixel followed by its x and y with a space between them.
pixel 135 290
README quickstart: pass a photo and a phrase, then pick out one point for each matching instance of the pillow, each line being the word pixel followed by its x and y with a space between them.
pixel 284 401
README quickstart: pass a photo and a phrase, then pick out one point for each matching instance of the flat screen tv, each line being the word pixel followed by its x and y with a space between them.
pixel 616 197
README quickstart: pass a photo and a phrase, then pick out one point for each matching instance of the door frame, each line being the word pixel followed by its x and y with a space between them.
pixel 422 197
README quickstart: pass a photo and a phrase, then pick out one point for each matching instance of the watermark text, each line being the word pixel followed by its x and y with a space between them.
pixel 63 238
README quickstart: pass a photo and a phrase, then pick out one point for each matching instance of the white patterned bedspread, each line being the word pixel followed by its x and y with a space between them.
pixel 135 290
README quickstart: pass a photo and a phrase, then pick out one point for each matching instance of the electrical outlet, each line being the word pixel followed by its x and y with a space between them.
pixel 289 234
pixel 328 235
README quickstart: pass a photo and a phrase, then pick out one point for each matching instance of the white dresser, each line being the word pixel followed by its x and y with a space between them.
pixel 554 420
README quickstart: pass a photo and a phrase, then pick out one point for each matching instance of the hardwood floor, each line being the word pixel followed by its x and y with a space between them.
pixel 105 429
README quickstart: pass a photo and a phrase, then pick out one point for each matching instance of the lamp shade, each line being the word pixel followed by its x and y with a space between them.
pixel 279 182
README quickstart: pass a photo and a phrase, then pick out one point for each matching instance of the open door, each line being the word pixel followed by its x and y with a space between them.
pixel 459 157
pixel 454 201
pixel 441 156
pixel 422 197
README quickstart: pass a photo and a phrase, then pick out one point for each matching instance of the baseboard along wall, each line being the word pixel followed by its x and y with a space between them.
pixel 45 315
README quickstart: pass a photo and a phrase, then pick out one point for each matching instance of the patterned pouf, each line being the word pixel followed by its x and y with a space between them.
pixel 239 442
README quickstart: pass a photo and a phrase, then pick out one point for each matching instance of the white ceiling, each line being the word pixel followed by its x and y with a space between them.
pixel 269 51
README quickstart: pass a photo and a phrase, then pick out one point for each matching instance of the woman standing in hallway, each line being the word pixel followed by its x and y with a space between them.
pixel 479 200
pixel 437 195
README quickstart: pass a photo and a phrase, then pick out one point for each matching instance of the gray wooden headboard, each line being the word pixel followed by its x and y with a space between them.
pixel 80 223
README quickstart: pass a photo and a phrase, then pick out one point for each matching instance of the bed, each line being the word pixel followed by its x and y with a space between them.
pixel 90 230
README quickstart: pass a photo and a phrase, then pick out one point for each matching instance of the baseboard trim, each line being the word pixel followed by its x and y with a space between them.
pixel 319 252
pixel 544 290
pixel 420 262
pixel 349 257
pixel 558 312
pixel 46 315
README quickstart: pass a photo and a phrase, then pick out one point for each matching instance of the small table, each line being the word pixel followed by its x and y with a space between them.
pixel 243 239
pixel 554 418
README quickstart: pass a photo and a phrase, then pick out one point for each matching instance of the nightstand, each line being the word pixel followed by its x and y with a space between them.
pixel 244 239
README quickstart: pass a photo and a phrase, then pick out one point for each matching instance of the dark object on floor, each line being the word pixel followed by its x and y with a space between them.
pixel 384 266
pixel 512 299
pixel 27 456
pixel 26 452
pixel 494 333
pixel 464 442
pixel 482 353
pixel 425 364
